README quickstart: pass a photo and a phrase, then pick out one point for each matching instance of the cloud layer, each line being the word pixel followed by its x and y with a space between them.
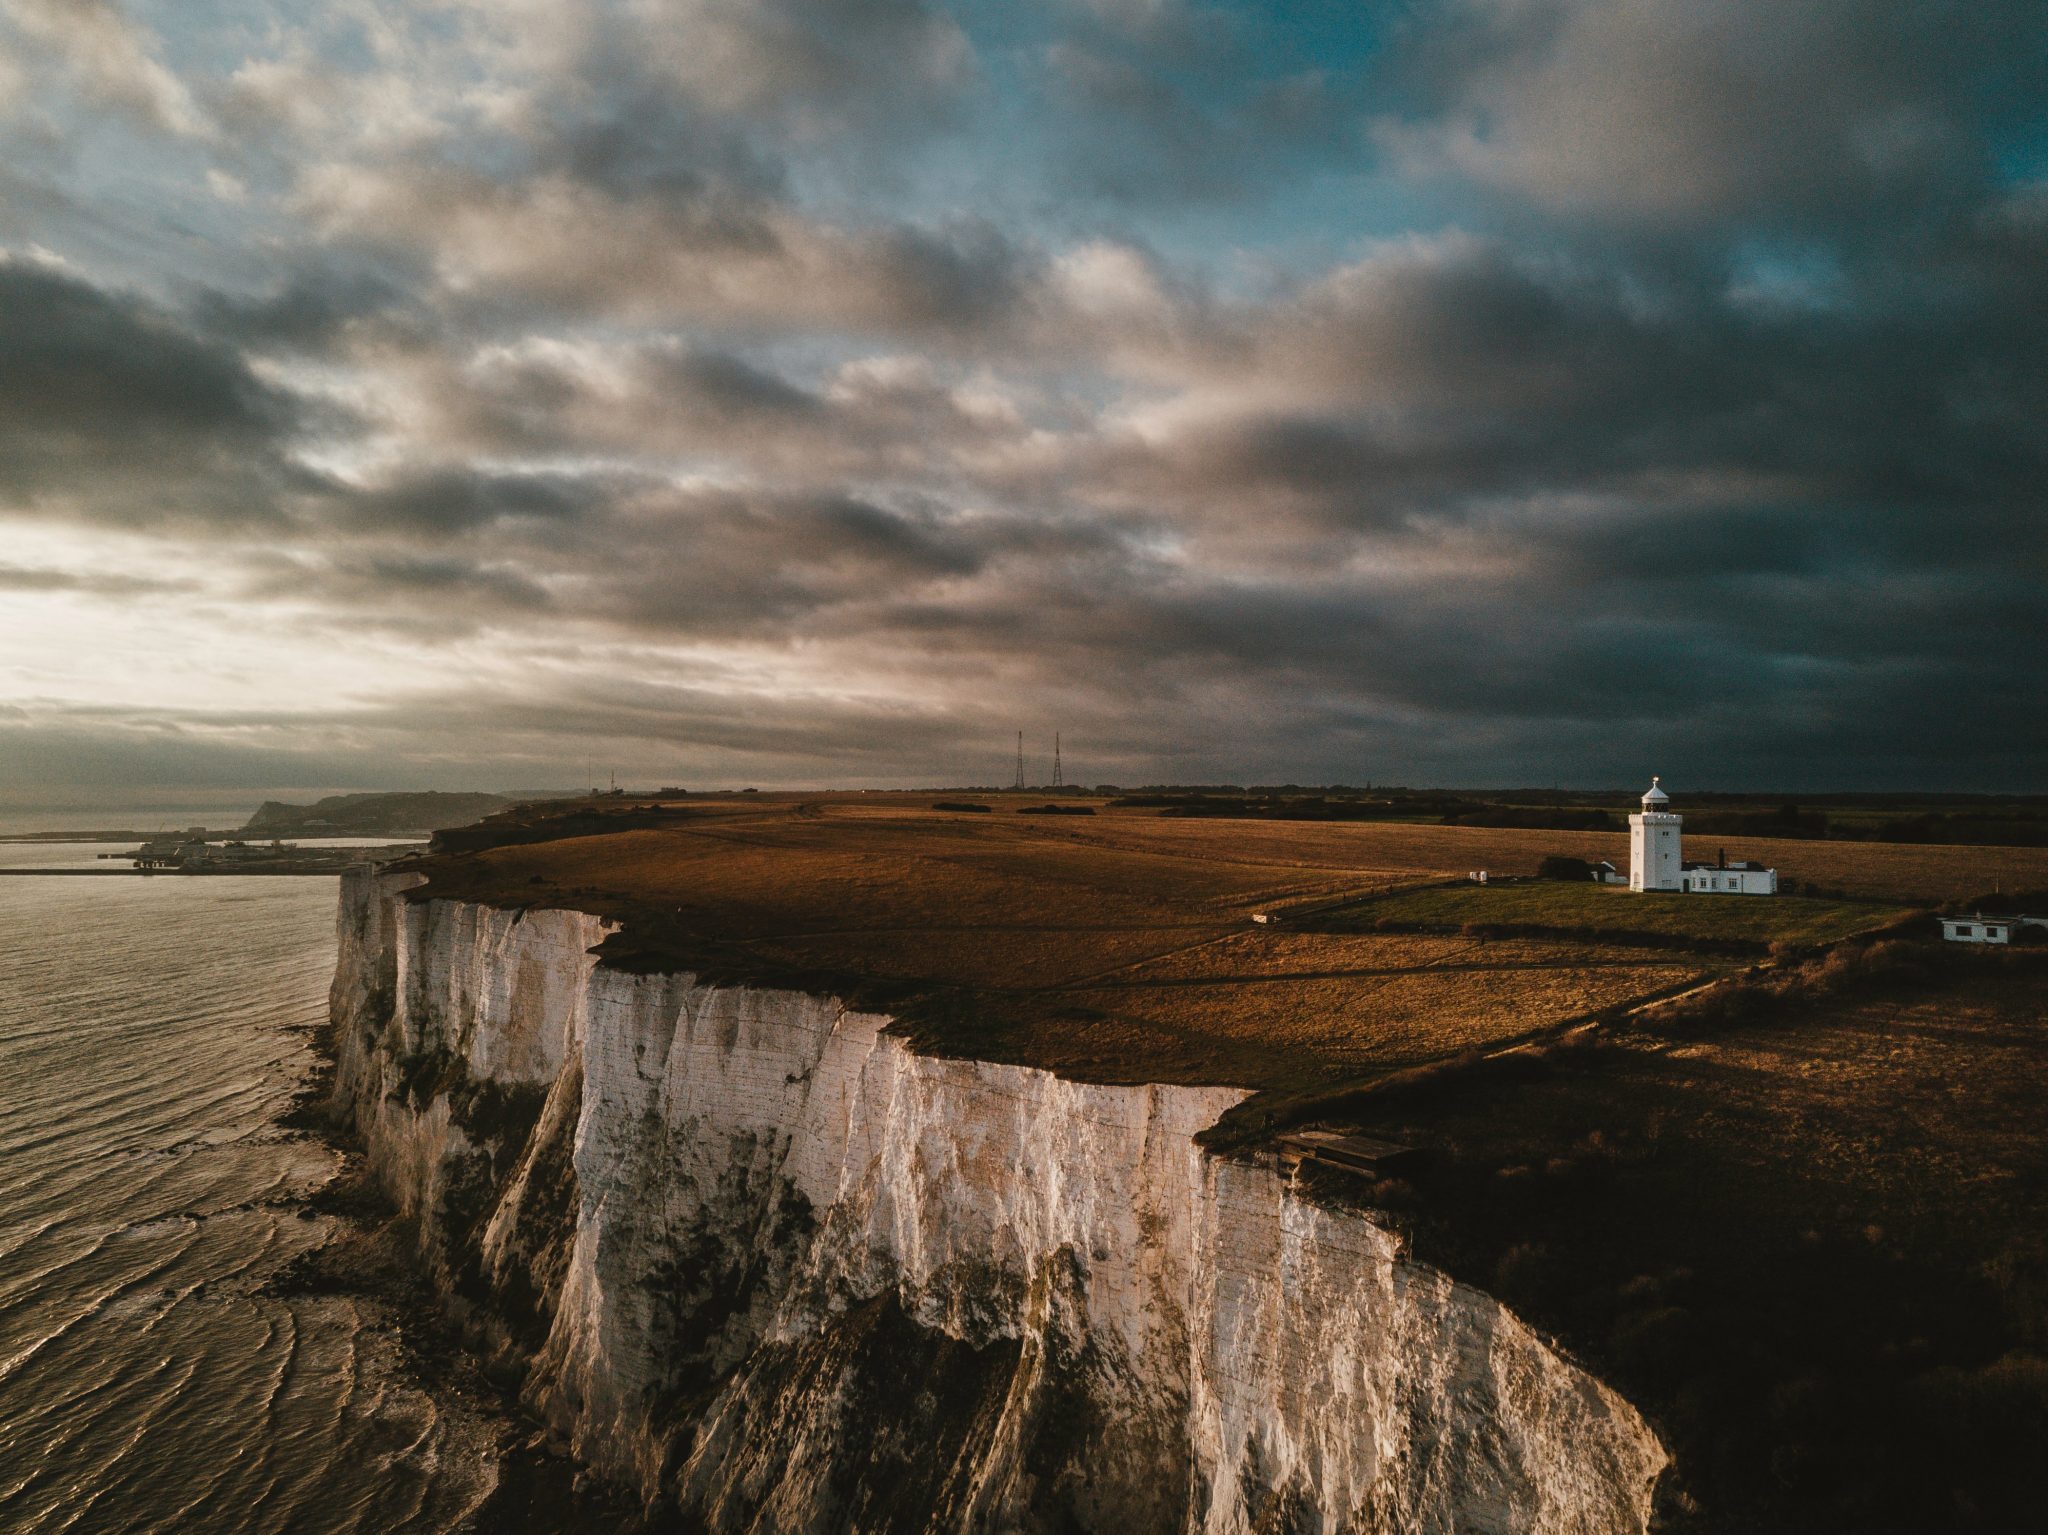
pixel 1513 392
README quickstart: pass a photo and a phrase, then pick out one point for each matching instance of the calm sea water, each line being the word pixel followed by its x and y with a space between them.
pixel 151 1031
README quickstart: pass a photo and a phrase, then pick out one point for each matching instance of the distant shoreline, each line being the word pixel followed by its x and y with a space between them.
pixel 59 838
pixel 328 868
pixel 77 836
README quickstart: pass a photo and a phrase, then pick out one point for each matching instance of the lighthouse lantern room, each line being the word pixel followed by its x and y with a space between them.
pixel 1654 860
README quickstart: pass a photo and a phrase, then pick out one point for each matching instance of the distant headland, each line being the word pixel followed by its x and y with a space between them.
pixel 411 814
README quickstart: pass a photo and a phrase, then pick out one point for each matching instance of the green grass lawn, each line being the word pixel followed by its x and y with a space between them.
pixel 1615 909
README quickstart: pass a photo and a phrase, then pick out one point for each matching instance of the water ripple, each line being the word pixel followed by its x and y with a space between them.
pixel 150 1032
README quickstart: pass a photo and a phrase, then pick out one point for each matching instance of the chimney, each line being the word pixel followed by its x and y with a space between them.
pixel 1724 857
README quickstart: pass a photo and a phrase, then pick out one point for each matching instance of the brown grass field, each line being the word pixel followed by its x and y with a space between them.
pixel 1119 946
pixel 1799 1214
pixel 1587 908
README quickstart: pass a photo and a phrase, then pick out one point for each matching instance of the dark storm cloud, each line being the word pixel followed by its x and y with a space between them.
pixel 828 567
pixel 1441 381
pixel 729 386
pixel 805 67
pixel 1175 108
pixel 709 723
pixel 110 410
pixel 668 352
pixel 638 166
pixel 717 256
pixel 93 751
pixel 313 309
pixel 1705 110
pixel 30 578
pixel 699 730
pixel 438 504
pixel 652 561
pixel 431 595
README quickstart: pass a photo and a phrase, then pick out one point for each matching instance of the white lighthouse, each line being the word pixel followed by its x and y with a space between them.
pixel 1654 862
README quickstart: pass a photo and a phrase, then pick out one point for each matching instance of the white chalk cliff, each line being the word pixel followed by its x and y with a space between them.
pixel 761 1262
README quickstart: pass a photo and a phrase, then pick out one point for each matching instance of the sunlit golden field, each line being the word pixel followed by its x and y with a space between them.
pixel 1118 946
pixel 1587 908
pixel 1345 1004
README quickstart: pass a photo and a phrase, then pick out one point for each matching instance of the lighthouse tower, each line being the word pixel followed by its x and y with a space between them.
pixel 1653 857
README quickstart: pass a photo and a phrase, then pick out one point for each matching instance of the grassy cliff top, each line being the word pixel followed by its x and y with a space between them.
pixel 1120 946
pixel 1797 1211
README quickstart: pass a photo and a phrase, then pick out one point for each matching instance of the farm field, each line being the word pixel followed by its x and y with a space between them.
pixel 1119 946
pixel 1759 920
pixel 1806 1233
pixel 1304 1008
pixel 1908 873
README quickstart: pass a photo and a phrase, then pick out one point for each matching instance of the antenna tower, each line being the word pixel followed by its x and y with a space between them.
pixel 1059 777
pixel 1020 759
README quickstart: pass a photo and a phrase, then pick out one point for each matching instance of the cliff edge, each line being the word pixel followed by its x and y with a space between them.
pixel 757 1259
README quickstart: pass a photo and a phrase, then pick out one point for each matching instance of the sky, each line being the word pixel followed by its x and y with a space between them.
pixel 452 394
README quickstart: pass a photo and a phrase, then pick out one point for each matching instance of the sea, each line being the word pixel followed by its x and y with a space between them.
pixel 154 1375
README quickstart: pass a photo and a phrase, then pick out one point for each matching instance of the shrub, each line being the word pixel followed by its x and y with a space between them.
pixel 1656 1343
pixel 1849 965
pixel 2019 1276
pixel 1999 903
pixel 1527 1275
pixel 1563 866
pixel 1392 1194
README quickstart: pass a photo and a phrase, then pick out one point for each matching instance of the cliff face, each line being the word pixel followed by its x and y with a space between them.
pixel 758 1260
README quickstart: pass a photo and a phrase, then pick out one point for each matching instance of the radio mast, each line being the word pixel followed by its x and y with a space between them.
pixel 1059 777
pixel 1020 759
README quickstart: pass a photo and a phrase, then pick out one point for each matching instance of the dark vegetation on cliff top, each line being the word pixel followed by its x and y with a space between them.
pixel 1775 1167
pixel 1800 1219
pixel 1973 819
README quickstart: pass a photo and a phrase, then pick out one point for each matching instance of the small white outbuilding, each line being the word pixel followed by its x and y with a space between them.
pixel 1729 879
pixel 1978 928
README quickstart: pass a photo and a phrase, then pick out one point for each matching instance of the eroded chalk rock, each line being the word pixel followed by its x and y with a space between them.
pixel 759 1261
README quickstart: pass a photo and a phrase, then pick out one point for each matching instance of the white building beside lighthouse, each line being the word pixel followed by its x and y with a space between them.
pixel 1654 862
pixel 1656 858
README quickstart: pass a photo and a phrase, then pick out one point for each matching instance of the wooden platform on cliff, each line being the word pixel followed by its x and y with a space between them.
pixel 1365 1155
